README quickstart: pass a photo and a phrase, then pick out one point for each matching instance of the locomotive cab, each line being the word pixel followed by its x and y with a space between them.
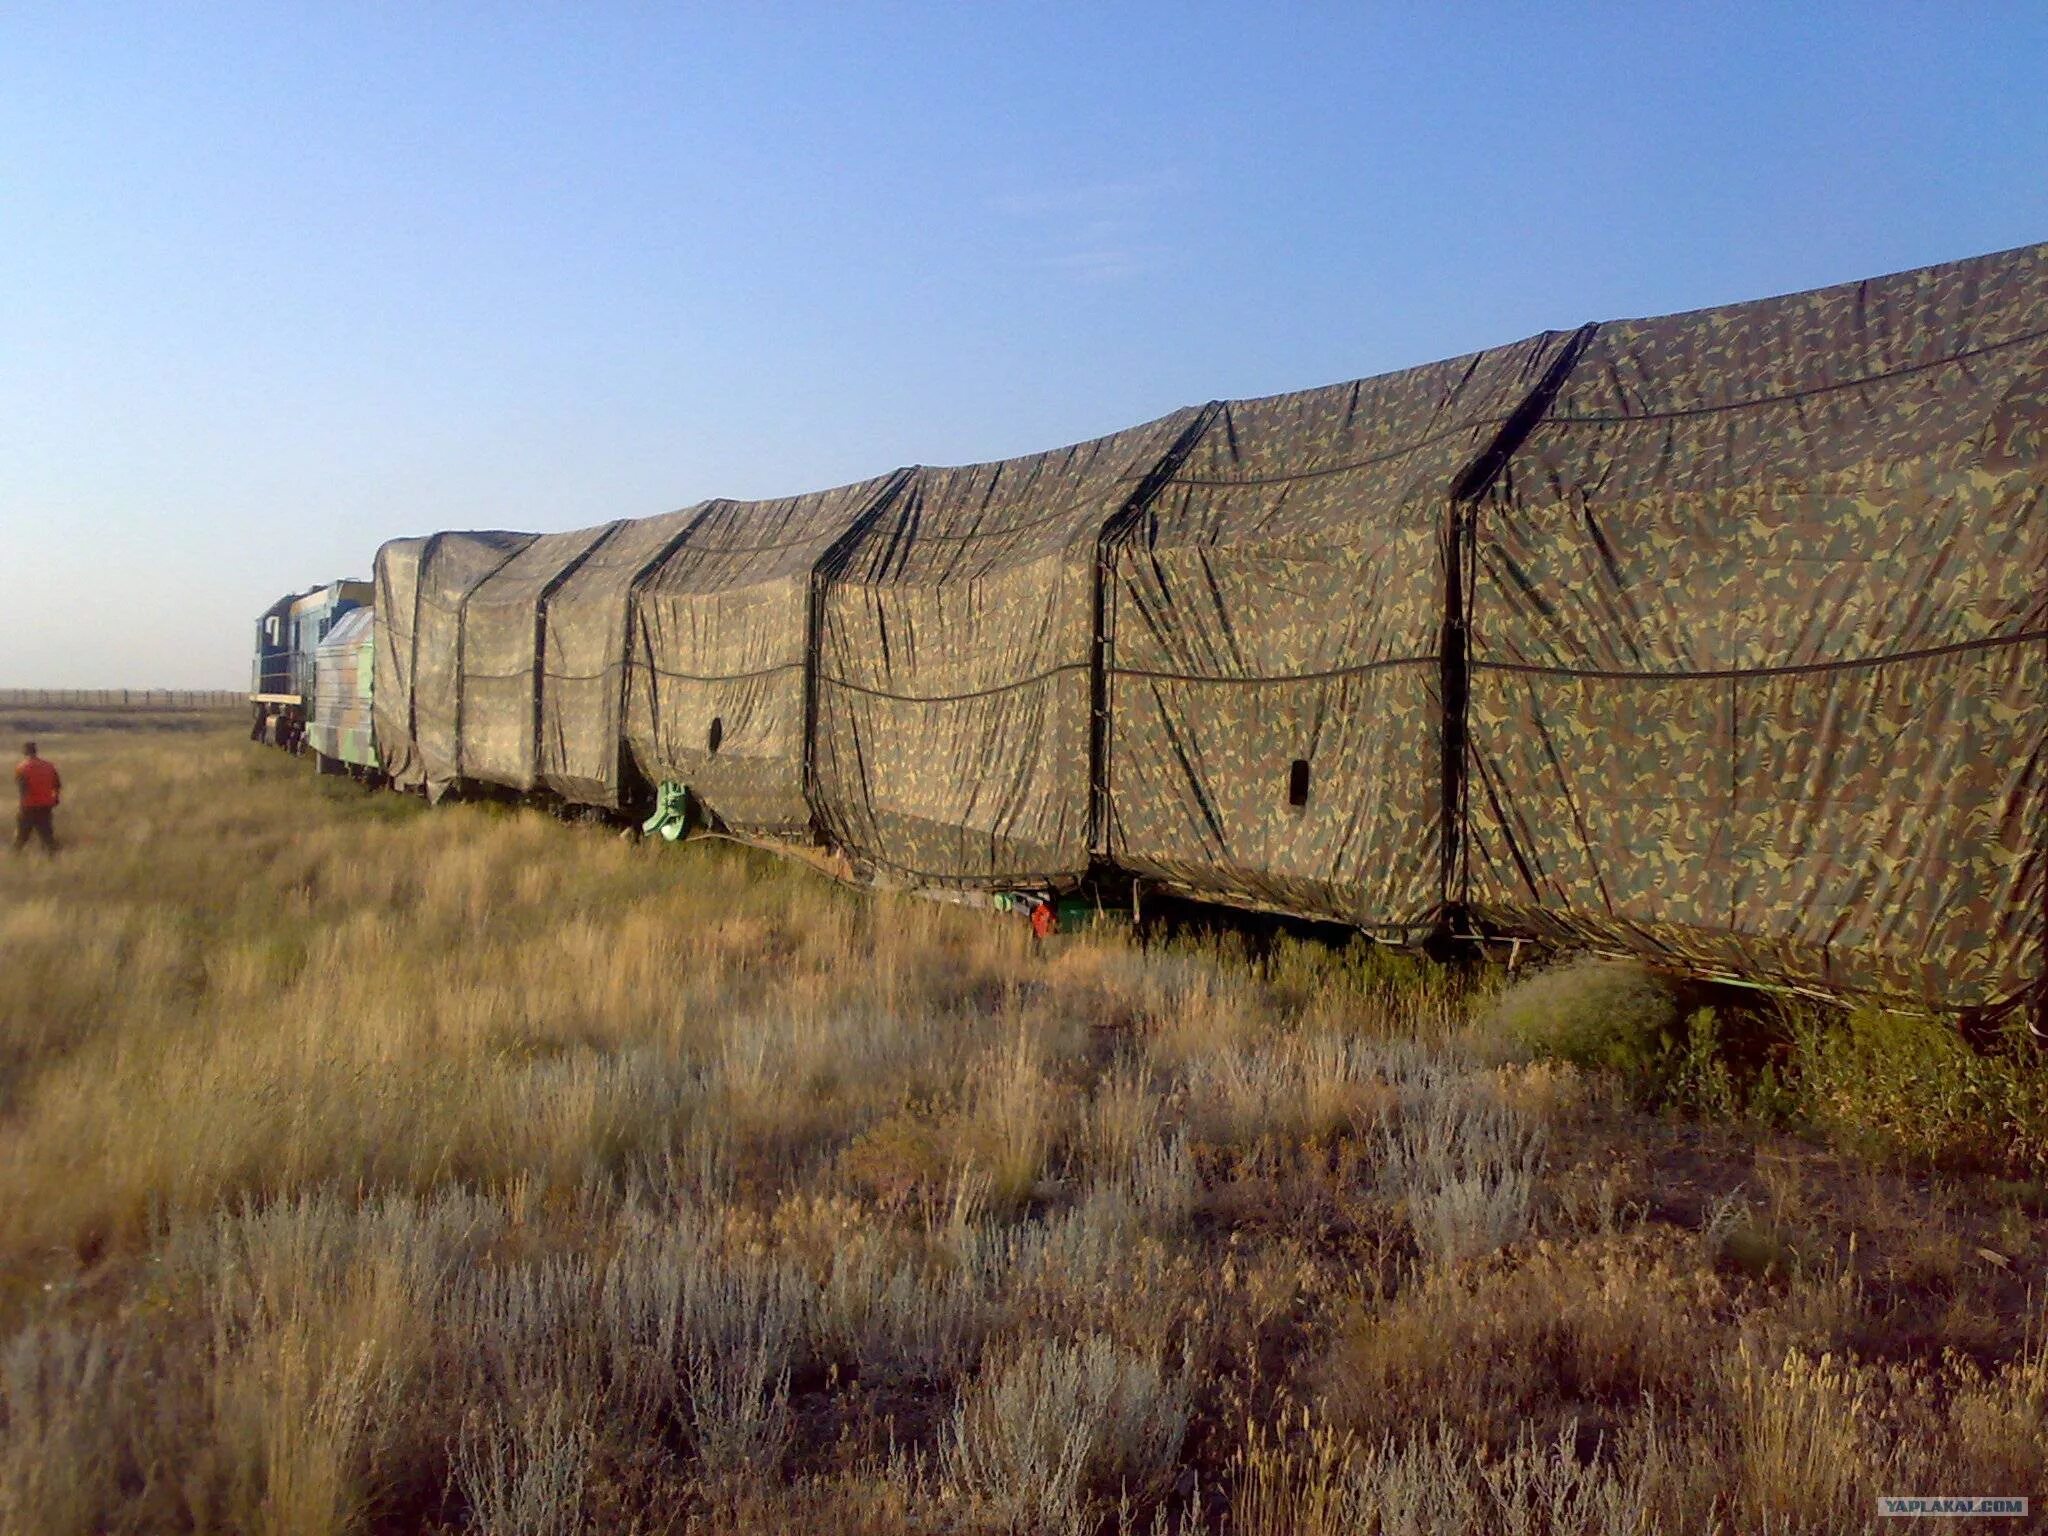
pixel 288 636
pixel 270 677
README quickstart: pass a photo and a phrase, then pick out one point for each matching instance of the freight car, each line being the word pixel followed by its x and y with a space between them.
pixel 338 719
pixel 1719 638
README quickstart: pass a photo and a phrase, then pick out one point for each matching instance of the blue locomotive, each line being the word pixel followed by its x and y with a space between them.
pixel 284 672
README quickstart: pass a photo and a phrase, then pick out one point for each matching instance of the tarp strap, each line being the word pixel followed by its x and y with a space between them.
pixel 827 568
pixel 412 690
pixel 461 633
pixel 540 638
pixel 628 626
pixel 1459 535
pixel 1789 669
pixel 1115 529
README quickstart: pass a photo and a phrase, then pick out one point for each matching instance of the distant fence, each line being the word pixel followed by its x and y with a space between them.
pixel 123 698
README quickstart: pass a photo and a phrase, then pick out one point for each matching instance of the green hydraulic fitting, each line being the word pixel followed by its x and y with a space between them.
pixel 671 810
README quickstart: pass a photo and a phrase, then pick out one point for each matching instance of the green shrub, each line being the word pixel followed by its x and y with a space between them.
pixel 1618 1016
pixel 1697 1077
pixel 1363 986
pixel 1611 1014
pixel 900 1159
pixel 2027 1195
pixel 1759 1251
pixel 1910 1089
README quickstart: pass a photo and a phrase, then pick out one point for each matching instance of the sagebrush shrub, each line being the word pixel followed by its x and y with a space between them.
pixel 1051 1437
pixel 1466 1164
pixel 522 1472
pixel 897 1319
pixel 1594 1012
pixel 57 1470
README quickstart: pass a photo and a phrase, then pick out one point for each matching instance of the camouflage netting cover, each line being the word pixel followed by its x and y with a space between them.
pixel 451 566
pixel 395 577
pixel 1721 637
pixel 499 708
pixel 340 726
pixel 1280 602
pixel 717 696
pixel 1759 641
pixel 955 662
pixel 582 707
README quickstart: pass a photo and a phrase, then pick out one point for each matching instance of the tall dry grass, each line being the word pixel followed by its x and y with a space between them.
pixel 364 1168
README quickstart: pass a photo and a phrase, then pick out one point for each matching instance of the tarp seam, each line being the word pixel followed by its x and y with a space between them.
pixel 1049 673
pixel 630 626
pixel 1351 670
pixel 1417 446
pixel 949 698
pixel 1005 531
pixel 539 669
pixel 828 567
pixel 1109 538
pixel 1891 658
pixel 461 633
pixel 1460 536
pixel 1805 394
pixel 724 677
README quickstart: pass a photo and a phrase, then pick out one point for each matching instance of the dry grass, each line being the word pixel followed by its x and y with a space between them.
pixel 367 1169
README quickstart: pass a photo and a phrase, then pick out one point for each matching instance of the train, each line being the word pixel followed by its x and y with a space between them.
pixel 1718 639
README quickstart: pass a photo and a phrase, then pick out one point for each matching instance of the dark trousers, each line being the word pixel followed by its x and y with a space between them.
pixel 36 821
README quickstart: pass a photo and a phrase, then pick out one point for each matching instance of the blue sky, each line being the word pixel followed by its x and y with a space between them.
pixel 280 282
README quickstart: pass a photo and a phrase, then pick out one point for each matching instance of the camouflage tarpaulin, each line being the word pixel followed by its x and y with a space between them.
pixel 1274 623
pixel 582 714
pixel 1721 637
pixel 955 652
pixel 451 566
pixel 343 669
pixel 717 693
pixel 1759 641
pixel 396 579
pixel 501 658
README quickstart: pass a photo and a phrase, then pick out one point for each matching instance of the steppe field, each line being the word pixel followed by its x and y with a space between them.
pixel 366 1168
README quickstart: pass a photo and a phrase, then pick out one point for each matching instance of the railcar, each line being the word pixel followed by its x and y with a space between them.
pixel 1717 638
pixel 338 727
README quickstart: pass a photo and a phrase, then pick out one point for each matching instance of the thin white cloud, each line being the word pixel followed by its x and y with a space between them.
pixel 1101 266
pixel 1087 197
pixel 1094 232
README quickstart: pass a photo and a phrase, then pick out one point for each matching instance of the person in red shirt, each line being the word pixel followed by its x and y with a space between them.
pixel 41 788
pixel 1045 923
